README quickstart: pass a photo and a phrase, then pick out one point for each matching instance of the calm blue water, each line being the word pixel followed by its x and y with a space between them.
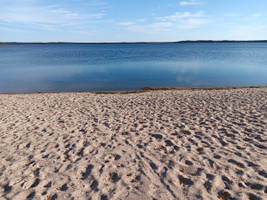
pixel 93 67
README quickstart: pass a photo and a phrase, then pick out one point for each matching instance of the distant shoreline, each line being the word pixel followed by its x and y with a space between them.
pixel 185 41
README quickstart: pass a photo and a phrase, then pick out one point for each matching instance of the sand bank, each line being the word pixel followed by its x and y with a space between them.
pixel 209 144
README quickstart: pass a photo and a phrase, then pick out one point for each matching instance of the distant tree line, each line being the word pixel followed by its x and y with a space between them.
pixel 186 41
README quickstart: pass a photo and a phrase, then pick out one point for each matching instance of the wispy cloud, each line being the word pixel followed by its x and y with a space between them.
pixel 141 20
pixel 174 22
pixel 126 23
pixel 45 14
pixel 190 3
pixel 249 29
pixel 13 30
pixel 152 28
pixel 186 20
pixel 95 3
pixel 248 32
pixel 191 23
pixel 83 32
pixel 177 16
pixel 231 15
pixel 257 15
pixel 36 14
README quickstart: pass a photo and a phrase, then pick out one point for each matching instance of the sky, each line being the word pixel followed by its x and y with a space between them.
pixel 132 20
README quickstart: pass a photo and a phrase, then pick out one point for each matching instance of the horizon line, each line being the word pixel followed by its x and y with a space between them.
pixel 149 42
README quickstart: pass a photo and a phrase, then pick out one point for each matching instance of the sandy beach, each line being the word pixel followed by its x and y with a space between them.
pixel 202 144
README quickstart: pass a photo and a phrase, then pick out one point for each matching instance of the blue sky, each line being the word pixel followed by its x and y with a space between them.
pixel 132 20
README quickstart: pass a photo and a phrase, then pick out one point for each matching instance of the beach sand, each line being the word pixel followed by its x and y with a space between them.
pixel 202 144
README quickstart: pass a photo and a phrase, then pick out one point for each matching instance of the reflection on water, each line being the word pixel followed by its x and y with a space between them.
pixel 72 67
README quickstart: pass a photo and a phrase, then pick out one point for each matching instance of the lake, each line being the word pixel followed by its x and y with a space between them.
pixel 107 67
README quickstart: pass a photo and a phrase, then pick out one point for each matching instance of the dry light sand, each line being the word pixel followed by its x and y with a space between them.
pixel 199 144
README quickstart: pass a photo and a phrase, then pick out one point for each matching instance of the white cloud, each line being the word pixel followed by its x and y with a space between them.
pixel 97 15
pixel 151 28
pixel 191 23
pixel 36 14
pixel 190 3
pixel 231 15
pixel 83 32
pixel 186 20
pixel 131 23
pixel 249 29
pixel 95 3
pixel 177 16
pixel 45 14
pixel 126 23
pixel 14 30
pixel 177 21
pixel 257 15
pixel 141 20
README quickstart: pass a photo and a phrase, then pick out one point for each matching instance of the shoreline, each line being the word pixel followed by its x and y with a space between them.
pixel 145 89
